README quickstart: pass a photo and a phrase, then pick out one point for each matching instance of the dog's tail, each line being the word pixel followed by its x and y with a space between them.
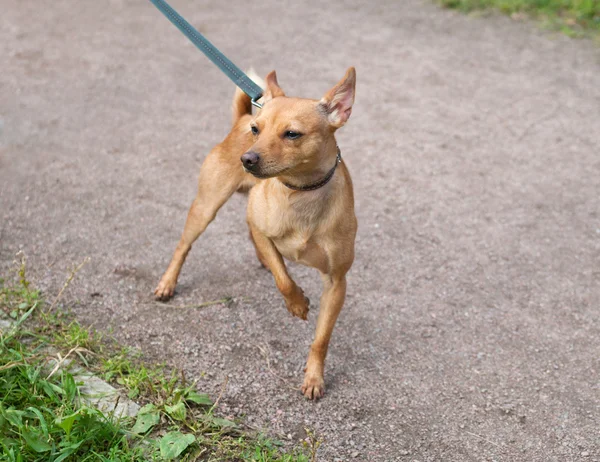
pixel 241 101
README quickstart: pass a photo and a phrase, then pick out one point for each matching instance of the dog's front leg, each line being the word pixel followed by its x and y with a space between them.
pixel 218 181
pixel 332 301
pixel 296 302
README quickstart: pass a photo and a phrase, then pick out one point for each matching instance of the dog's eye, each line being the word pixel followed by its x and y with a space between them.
pixel 292 135
pixel 254 129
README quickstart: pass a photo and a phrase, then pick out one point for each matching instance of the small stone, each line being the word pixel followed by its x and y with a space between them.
pixel 355 454
pixel 585 454
pixel 404 452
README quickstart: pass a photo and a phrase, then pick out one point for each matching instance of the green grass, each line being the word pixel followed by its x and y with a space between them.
pixel 576 18
pixel 43 419
pixel 40 418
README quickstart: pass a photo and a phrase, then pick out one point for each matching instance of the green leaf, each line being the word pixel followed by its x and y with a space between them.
pixel 199 398
pixel 51 389
pixel 174 443
pixel 68 451
pixel 177 411
pixel 69 385
pixel 23 318
pixel 35 441
pixel 147 408
pixel 223 422
pixel 33 374
pixel 14 417
pixel 66 423
pixel 147 418
pixel 41 418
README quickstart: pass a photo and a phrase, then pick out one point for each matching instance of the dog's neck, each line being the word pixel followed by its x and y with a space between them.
pixel 317 178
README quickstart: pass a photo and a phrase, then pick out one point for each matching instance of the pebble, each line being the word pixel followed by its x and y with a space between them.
pixel 355 454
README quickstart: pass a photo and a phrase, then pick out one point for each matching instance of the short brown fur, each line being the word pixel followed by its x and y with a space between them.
pixel 316 228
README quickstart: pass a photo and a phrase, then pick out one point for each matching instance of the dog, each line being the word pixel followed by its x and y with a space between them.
pixel 300 204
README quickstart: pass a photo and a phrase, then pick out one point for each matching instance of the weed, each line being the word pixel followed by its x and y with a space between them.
pixel 41 418
pixel 18 298
pixel 576 18
pixel 312 443
pixel 41 412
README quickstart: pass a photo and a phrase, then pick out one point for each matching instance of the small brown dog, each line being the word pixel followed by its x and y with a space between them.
pixel 301 204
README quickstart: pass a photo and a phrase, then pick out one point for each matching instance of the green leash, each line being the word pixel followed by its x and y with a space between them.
pixel 221 61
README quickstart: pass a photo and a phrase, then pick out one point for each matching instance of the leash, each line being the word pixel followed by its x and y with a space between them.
pixel 246 84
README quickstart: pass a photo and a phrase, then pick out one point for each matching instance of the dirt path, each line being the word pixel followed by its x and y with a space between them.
pixel 472 329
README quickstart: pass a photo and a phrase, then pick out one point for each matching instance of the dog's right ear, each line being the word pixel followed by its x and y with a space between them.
pixel 273 89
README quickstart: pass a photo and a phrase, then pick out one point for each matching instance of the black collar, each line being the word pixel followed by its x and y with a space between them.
pixel 323 182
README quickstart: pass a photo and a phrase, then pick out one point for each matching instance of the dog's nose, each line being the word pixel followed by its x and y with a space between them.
pixel 250 159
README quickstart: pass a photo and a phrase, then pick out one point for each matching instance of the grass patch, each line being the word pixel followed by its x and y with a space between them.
pixel 41 419
pixel 44 418
pixel 576 18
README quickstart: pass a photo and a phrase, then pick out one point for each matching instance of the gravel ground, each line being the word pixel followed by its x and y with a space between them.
pixel 471 327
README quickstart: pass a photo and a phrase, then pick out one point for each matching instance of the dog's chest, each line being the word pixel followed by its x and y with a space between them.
pixel 290 228
pixel 303 248
pixel 293 226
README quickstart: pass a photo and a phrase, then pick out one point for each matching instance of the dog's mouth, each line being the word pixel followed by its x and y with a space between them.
pixel 264 175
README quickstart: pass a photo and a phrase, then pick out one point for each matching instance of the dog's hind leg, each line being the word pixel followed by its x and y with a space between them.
pixel 220 177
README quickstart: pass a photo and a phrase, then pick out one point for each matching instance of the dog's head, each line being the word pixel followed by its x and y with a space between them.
pixel 293 136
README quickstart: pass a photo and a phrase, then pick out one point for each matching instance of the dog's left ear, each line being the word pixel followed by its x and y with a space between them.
pixel 337 102
pixel 273 89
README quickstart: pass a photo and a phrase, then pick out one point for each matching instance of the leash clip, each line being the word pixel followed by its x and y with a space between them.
pixel 255 102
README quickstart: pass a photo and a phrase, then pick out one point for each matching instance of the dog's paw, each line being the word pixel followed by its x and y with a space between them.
pixel 165 290
pixel 299 308
pixel 313 387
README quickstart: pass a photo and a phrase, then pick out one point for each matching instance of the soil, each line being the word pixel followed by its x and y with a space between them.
pixel 471 330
